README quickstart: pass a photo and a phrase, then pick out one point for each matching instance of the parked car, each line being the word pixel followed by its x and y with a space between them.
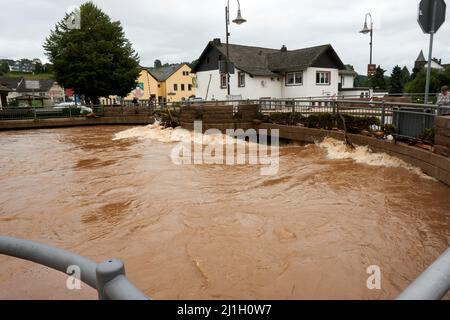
pixel 66 105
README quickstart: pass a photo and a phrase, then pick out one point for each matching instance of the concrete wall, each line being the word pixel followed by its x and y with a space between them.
pixel 432 164
pixel 74 122
pixel 442 136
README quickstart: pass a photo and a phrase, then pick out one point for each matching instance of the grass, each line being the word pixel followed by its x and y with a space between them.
pixel 28 76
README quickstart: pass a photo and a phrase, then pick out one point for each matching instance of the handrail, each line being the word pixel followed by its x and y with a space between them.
pixel 108 278
pixel 433 284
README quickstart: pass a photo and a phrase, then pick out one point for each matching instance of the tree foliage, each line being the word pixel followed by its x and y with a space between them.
pixel 378 81
pixel 396 80
pixel 438 79
pixel 95 60
pixel 4 68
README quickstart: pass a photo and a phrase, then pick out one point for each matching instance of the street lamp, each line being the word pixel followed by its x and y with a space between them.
pixel 367 30
pixel 239 20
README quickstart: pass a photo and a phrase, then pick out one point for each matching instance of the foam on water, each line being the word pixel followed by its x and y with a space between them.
pixel 168 135
pixel 155 132
pixel 338 150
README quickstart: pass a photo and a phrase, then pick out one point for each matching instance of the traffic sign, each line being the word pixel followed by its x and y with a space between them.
pixel 431 11
pixel 371 69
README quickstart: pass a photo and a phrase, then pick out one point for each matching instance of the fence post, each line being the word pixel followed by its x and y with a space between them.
pixel 107 271
pixel 383 114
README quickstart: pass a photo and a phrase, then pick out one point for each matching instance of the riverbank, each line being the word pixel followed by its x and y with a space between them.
pixel 74 122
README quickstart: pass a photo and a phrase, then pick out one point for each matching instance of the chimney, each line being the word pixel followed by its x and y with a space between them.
pixel 217 42
pixel 283 48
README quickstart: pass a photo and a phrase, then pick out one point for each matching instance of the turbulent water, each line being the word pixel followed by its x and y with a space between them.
pixel 217 231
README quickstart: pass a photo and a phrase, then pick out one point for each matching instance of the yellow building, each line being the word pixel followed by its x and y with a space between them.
pixel 166 84
pixel 172 83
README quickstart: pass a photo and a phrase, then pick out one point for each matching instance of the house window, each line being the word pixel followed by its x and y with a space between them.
pixel 223 81
pixel 220 57
pixel 294 78
pixel 323 77
pixel 175 87
pixel 182 87
pixel 189 87
pixel 185 73
pixel 241 79
pixel 208 60
pixel 342 81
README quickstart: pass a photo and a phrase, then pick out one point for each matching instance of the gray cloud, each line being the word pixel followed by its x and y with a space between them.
pixel 178 30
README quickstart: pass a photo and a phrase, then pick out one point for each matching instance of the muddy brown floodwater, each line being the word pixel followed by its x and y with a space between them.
pixel 215 232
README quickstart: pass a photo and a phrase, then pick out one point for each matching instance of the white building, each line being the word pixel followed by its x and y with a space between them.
pixel 271 73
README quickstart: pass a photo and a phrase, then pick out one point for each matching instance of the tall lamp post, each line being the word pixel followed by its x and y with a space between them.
pixel 239 20
pixel 367 30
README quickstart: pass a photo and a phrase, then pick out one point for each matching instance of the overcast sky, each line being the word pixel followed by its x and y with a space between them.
pixel 178 30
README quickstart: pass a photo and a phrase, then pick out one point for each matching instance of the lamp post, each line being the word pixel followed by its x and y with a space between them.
pixel 367 30
pixel 239 20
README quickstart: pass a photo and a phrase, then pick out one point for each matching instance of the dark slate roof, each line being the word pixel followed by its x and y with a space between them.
pixel 348 72
pixel 10 83
pixel 4 89
pixel 259 61
pixel 252 60
pixel 421 57
pixel 163 73
pixel 44 86
pixel 298 59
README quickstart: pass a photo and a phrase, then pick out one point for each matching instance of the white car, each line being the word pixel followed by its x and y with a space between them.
pixel 65 105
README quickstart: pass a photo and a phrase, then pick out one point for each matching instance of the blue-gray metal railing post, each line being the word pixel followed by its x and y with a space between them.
pixel 383 114
pixel 433 284
pixel 106 272
pixel 108 277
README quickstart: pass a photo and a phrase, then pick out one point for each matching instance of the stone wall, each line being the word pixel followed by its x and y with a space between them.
pixel 442 136
pixel 125 111
pixel 220 117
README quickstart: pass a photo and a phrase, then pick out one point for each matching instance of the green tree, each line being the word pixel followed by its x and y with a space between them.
pixel 39 67
pixel 95 60
pixel 406 75
pixel 378 81
pixel 4 68
pixel 438 79
pixel 157 63
pixel 396 80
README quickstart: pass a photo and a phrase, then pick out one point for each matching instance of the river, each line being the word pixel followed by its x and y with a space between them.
pixel 216 231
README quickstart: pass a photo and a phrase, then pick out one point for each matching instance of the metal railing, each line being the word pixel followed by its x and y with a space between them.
pixel 108 278
pixel 433 284
pixel 410 120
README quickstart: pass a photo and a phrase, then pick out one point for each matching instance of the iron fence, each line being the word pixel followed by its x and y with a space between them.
pixel 108 278
pixel 409 120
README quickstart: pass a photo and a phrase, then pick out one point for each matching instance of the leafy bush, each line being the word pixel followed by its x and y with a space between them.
pixel 326 121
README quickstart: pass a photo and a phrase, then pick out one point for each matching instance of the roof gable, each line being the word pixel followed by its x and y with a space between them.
pixel 259 61
pixel 320 56
pixel 164 73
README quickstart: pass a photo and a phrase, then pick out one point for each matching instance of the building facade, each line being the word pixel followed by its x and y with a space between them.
pixel 172 83
pixel 270 73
